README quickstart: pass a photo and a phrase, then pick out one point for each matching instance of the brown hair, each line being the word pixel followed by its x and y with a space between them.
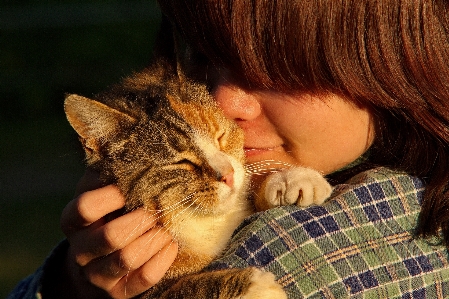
pixel 390 55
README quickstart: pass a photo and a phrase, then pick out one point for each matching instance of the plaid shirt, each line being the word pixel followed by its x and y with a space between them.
pixel 359 244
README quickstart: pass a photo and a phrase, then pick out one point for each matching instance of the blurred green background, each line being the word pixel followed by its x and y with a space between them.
pixel 47 49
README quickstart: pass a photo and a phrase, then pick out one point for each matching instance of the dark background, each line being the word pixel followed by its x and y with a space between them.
pixel 47 49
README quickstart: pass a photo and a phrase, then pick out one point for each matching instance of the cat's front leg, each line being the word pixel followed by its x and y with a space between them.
pixel 297 185
pixel 248 283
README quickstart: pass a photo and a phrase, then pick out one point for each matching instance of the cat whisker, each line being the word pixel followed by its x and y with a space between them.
pixel 157 214
pixel 131 234
pixel 169 209
pixel 117 247
pixel 179 213
pixel 168 225
pixel 265 167
pixel 172 209
pixel 157 234
pixel 179 203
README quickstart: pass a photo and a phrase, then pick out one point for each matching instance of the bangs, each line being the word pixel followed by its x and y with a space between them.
pixel 370 50
pixel 281 45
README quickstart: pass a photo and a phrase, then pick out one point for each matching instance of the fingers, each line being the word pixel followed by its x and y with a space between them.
pixel 148 275
pixel 123 254
pixel 90 207
pixel 89 181
pixel 94 242
pixel 135 268
pixel 132 257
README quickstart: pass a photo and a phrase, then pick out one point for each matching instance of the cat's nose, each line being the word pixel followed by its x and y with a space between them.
pixel 222 167
pixel 228 179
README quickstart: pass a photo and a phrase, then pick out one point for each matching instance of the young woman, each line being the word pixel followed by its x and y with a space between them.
pixel 357 89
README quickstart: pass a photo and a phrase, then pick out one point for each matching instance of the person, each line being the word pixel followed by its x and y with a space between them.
pixel 357 89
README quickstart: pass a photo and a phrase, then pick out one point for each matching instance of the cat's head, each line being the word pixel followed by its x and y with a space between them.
pixel 172 147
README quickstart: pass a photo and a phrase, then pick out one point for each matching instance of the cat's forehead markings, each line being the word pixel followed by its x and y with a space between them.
pixel 162 134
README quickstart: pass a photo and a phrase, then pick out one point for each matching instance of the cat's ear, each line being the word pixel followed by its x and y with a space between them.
pixel 94 121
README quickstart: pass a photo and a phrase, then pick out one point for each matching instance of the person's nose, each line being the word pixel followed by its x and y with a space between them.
pixel 237 103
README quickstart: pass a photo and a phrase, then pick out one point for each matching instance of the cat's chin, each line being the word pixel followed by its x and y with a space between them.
pixel 208 234
pixel 229 199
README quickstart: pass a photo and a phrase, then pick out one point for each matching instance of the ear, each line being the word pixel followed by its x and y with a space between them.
pixel 94 121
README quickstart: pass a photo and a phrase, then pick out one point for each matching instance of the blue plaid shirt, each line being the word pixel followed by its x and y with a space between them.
pixel 359 244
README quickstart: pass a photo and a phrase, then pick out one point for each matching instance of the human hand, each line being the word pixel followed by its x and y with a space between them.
pixel 122 254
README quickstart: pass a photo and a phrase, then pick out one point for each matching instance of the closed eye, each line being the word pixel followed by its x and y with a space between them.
pixel 221 140
pixel 184 163
pixel 187 161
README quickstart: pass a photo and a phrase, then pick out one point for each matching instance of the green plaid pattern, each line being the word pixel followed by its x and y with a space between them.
pixel 358 245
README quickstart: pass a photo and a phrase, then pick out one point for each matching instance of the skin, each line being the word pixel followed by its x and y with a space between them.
pixel 104 247
pixel 323 132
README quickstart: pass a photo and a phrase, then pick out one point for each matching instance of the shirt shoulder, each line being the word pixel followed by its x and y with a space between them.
pixel 28 288
pixel 359 242
pixel 31 287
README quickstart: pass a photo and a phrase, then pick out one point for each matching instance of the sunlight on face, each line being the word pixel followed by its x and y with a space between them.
pixel 324 133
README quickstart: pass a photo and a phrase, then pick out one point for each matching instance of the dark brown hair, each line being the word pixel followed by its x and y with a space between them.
pixel 389 55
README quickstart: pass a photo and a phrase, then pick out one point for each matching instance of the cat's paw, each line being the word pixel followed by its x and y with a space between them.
pixel 298 185
pixel 263 286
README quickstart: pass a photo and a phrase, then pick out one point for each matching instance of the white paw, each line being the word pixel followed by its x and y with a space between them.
pixel 264 286
pixel 298 185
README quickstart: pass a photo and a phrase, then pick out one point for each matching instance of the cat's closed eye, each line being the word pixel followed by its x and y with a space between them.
pixel 186 164
pixel 187 161
pixel 221 140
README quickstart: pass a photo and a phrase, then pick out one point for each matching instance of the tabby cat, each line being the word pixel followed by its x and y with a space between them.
pixel 167 146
